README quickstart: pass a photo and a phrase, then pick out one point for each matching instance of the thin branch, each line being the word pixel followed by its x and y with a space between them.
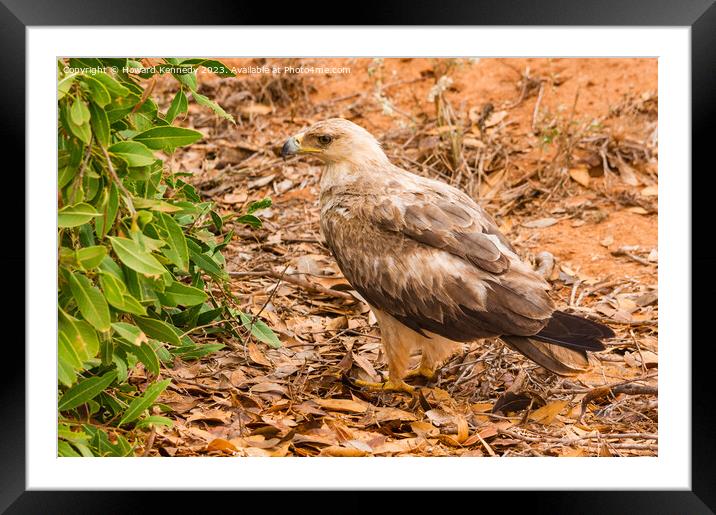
pixel 535 113
pixel 120 185
pixel 150 441
pixel 81 173
pixel 316 288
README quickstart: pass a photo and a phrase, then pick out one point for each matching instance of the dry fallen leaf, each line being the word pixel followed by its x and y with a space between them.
pixel 211 415
pixel 650 191
pixel 387 414
pixel 540 223
pixel 462 428
pixel 256 355
pixel 607 241
pixel 337 323
pixel 366 365
pixel 580 175
pixel 232 198
pixel 219 444
pixel 439 417
pixel 547 413
pixel 255 109
pixel 343 452
pixel 342 405
pixel 495 118
pixel 424 429
pixel 627 174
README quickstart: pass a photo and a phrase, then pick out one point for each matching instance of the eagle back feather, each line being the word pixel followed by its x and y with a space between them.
pixel 427 254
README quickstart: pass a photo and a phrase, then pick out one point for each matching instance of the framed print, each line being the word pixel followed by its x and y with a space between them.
pixel 420 252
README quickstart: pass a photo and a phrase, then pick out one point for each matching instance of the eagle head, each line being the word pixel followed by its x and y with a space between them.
pixel 335 140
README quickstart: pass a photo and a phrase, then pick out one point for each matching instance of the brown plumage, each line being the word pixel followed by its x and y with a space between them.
pixel 431 262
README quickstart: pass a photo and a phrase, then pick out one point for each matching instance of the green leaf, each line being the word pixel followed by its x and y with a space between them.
pixel 98 91
pixel 129 332
pixel 133 153
pixel 81 335
pixel 106 349
pixel 110 206
pixel 65 374
pixel 109 266
pixel 259 204
pixel 135 257
pixel 67 351
pixel 213 66
pixel 68 361
pixel 217 220
pixel 187 79
pixel 198 351
pixel 121 368
pixel 91 302
pixel 208 315
pixel 144 402
pixel 155 205
pixel 158 329
pixel 113 288
pixel 81 132
pixel 260 330
pixel 182 295
pixel 145 353
pixel 86 236
pixel 111 85
pixel 91 257
pixel 160 138
pixel 86 64
pixel 202 100
pixel 77 214
pixel 251 220
pixel 205 262
pixel 65 450
pixel 132 305
pixel 85 390
pixel 172 234
pixel 64 85
pixel 65 175
pixel 179 105
pixel 156 420
pixel 100 124
pixel 121 107
pixel 102 446
pixel 79 113
pixel 208 265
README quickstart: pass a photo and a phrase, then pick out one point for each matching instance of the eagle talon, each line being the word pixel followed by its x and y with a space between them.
pixel 429 375
pixel 386 386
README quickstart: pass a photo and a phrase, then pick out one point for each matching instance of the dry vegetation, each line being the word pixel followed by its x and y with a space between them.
pixel 562 151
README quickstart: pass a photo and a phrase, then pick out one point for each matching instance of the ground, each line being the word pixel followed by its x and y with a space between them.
pixel 563 152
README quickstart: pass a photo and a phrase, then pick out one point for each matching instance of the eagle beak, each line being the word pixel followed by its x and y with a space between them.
pixel 290 148
pixel 293 147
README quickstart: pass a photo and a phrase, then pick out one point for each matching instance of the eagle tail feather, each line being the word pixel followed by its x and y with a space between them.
pixel 574 332
pixel 562 345
pixel 560 360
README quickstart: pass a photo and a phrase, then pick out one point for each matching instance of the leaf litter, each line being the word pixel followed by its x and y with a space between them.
pixel 571 178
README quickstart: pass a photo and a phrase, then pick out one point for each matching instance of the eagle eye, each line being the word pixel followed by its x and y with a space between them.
pixel 324 139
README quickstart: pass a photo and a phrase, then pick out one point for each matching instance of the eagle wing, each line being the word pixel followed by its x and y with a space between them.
pixel 433 259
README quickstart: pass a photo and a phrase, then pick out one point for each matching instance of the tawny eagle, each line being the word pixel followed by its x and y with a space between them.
pixel 431 263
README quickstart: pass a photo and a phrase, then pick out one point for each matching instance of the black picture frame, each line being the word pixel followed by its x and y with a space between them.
pixel 699 15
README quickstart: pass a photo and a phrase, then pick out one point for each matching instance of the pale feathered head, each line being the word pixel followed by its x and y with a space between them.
pixel 335 141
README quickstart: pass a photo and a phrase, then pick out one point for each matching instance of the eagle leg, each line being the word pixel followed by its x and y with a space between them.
pixel 386 386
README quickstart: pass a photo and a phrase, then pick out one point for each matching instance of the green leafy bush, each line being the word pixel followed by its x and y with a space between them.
pixel 137 247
